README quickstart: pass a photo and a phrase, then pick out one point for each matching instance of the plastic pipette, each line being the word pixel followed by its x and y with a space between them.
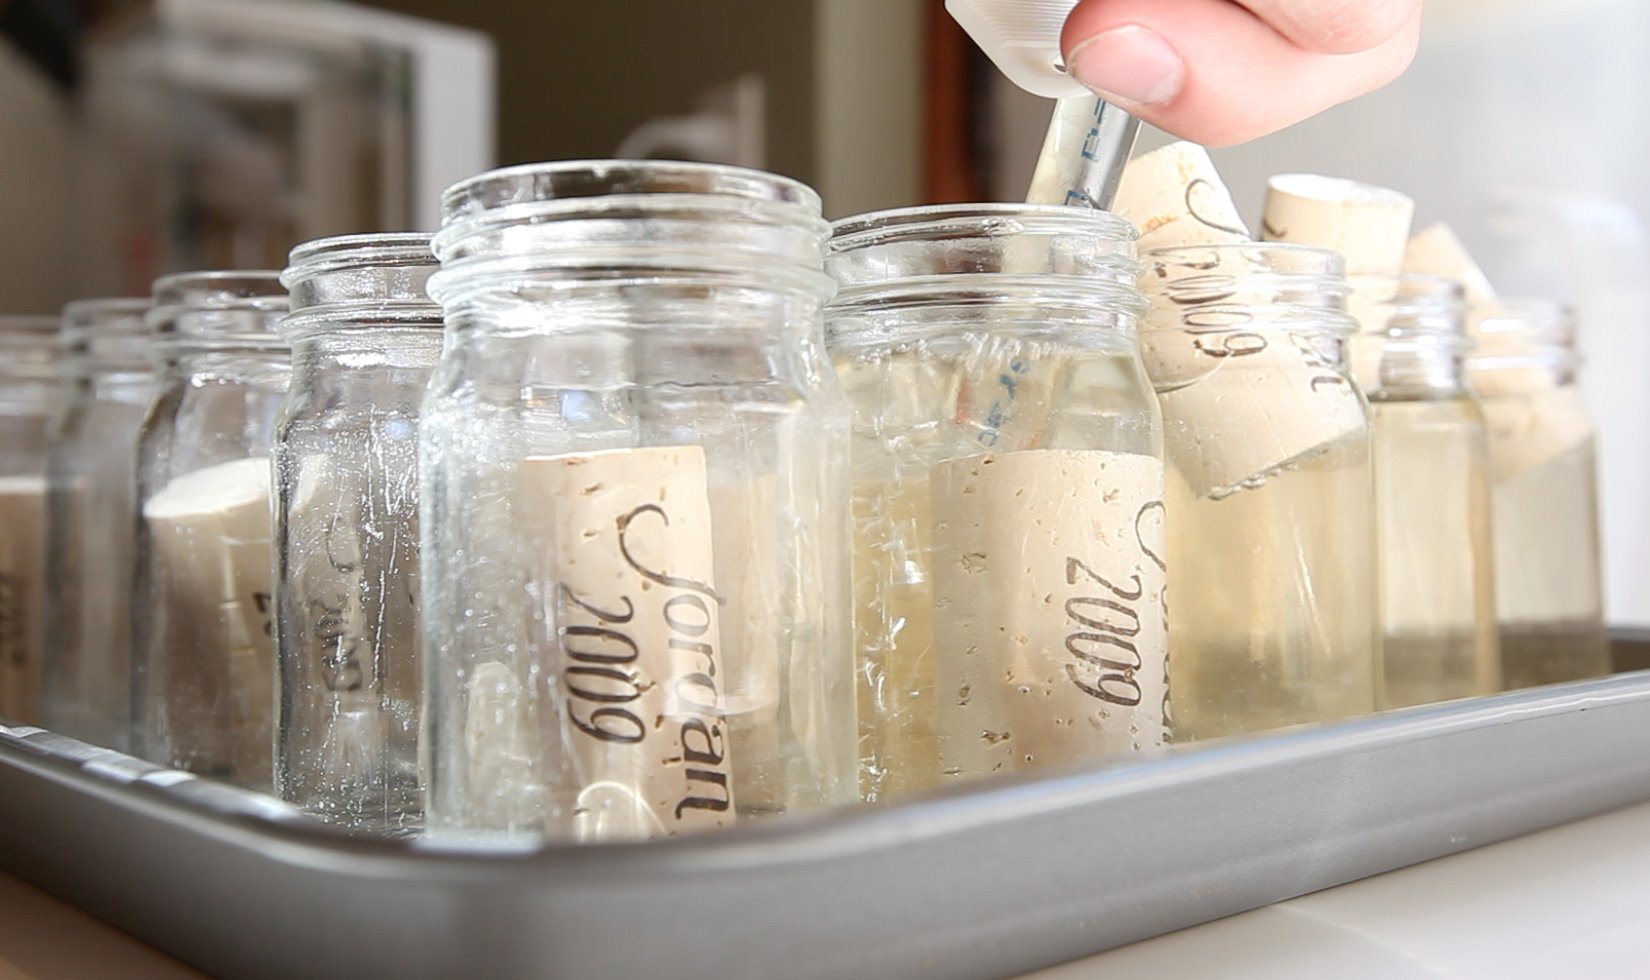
pixel 1089 140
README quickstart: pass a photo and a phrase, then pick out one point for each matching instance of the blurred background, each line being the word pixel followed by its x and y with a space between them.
pixel 138 138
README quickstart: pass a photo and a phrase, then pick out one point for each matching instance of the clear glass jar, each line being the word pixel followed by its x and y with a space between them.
pixel 93 515
pixel 1007 491
pixel 1548 578
pixel 32 394
pixel 365 339
pixel 203 647
pixel 634 505
pixel 1432 491
pixel 1273 615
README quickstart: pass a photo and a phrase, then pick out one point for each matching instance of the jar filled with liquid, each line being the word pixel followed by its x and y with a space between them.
pixel 1007 492
pixel 32 394
pixel 93 519
pixel 1273 617
pixel 635 535
pixel 365 339
pixel 203 653
pixel 1432 491
pixel 1549 593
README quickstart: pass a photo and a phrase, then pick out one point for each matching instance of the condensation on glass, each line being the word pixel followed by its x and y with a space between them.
pixel 1007 492
pixel 32 394
pixel 1432 491
pixel 365 339
pixel 93 513
pixel 635 539
pixel 1273 590
pixel 1549 596
pixel 203 647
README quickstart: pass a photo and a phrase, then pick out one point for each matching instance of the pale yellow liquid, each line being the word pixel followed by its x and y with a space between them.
pixel 894 605
pixel 915 409
pixel 1432 498
pixel 1272 598
pixel 1549 595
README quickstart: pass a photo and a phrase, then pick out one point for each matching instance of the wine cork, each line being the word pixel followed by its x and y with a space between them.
pixel 1174 196
pixel 1242 397
pixel 22 596
pixel 1049 618
pixel 1239 403
pixel 1368 225
pixel 1436 251
pixel 211 534
pixel 1528 429
pixel 504 786
pixel 744 513
pixel 622 544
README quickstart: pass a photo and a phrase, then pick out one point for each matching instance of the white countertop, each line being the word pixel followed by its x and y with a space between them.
pixel 1573 901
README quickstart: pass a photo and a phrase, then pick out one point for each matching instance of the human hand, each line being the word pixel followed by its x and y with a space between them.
pixel 1220 72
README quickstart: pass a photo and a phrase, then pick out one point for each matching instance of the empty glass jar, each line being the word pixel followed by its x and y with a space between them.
pixel 1007 491
pixel 365 339
pixel 93 520
pixel 1432 491
pixel 634 506
pixel 203 634
pixel 1272 568
pixel 1549 593
pixel 31 396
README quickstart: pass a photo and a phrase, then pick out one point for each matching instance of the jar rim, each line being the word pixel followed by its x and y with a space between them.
pixel 645 220
pixel 115 307
pixel 560 180
pixel 1538 316
pixel 342 252
pixel 217 297
pixel 901 224
pixel 1424 309
pixel 1331 262
pixel 26 325
pixel 218 289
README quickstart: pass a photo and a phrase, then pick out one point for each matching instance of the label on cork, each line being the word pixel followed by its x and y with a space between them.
pixel 1175 197
pixel 1531 428
pixel 211 535
pixel 1242 397
pixel 1049 617
pixel 22 575
pixel 623 546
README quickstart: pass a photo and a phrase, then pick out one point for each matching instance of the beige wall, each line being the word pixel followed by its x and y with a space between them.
pixel 36 160
pixel 843 80
pixel 869 90
pixel 574 78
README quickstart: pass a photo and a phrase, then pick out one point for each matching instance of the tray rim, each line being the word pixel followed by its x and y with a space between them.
pixel 257 833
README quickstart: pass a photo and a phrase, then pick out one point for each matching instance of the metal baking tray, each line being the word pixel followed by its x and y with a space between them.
pixel 979 882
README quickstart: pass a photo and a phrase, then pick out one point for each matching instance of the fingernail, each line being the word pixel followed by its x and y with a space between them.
pixel 1129 64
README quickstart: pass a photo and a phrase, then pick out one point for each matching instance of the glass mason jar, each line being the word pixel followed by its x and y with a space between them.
pixel 203 653
pixel 93 514
pixel 31 395
pixel 1548 580
pixel 1273 614
pixel 1007 491
pixel 634 506
pixel 1432 491
pixel 365 339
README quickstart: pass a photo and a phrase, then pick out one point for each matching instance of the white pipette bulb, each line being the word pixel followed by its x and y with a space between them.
pixel 1022 38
